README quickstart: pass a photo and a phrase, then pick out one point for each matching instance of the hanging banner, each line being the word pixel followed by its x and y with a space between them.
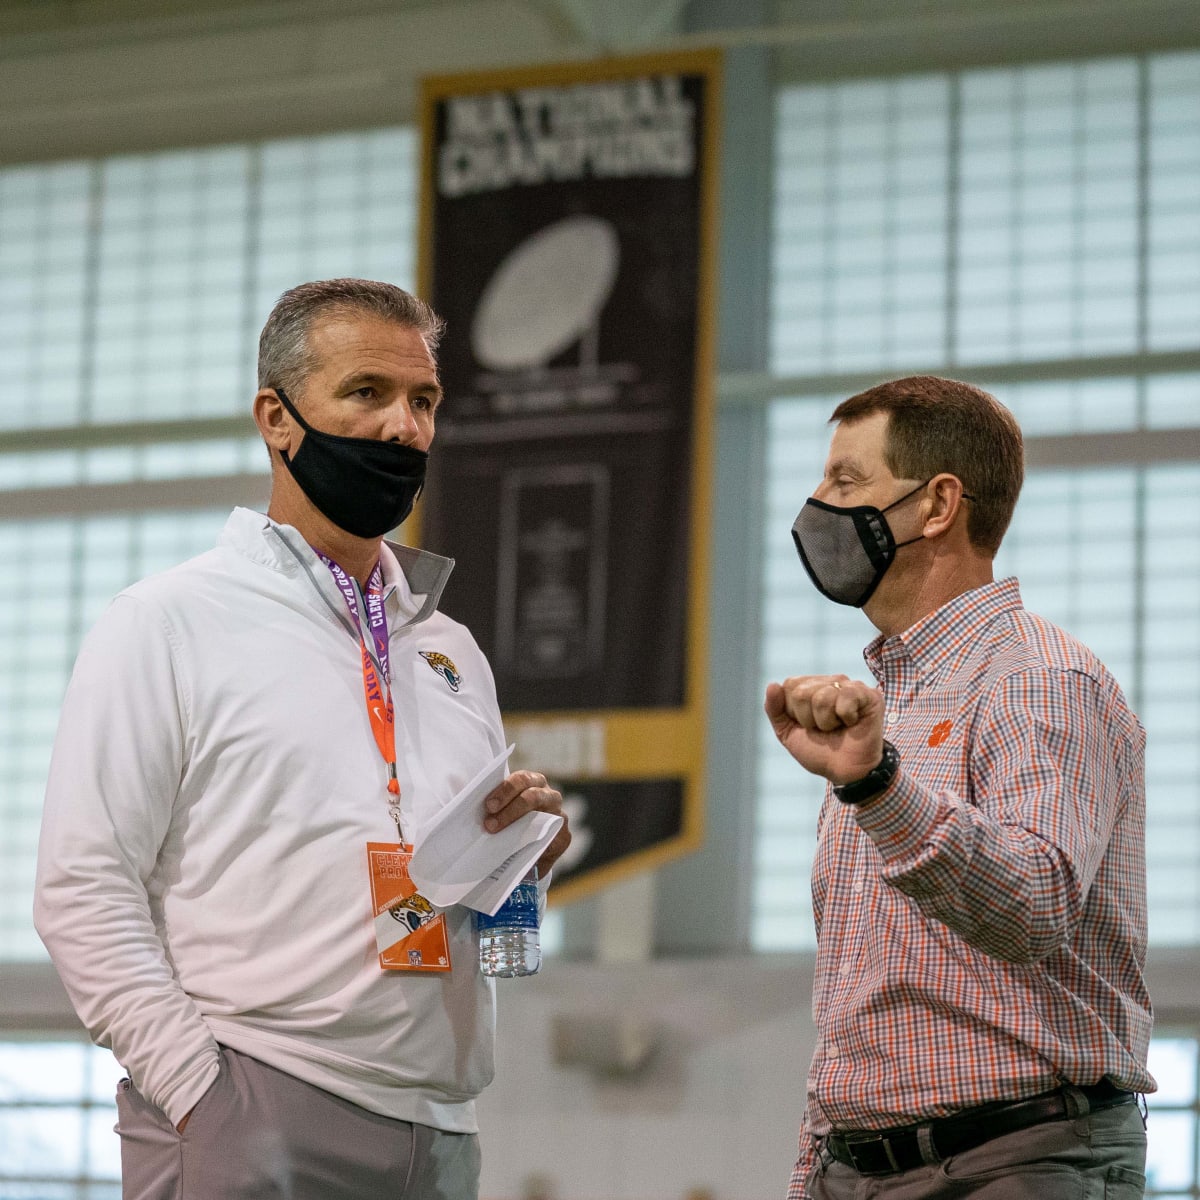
pixel 568 240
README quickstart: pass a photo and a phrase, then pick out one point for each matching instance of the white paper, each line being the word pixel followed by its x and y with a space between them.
pixel 456 860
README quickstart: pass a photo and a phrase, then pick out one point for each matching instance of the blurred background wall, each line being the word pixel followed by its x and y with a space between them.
pixel 1006 191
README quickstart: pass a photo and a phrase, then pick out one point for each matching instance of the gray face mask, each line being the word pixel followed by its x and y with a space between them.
pixel 847 551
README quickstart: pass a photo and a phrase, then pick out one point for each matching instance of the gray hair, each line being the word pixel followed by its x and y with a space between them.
pixel 284 357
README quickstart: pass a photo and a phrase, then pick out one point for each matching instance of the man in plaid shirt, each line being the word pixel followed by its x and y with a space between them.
pixel 979 884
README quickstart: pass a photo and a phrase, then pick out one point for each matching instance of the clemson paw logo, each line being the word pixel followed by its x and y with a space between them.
pixel 940 732
pixel 443 666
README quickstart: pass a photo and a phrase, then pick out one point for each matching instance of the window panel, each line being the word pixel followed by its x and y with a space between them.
pixel 1170 1159
pixel 102 1147
pixel 47 1140
pixel 1172 402
pixel 863 162
pixel 1174 233
pixel 57 1112
pixel 167 239
pixel 1043 168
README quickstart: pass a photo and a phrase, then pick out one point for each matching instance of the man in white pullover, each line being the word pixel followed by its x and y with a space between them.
pixel 236 732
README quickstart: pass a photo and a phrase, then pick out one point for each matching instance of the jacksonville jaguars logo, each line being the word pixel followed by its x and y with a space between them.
pixel 412 912
pixel 443 666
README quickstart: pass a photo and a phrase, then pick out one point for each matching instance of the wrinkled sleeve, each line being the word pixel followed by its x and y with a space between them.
pixel 114 775
pixel 1009 868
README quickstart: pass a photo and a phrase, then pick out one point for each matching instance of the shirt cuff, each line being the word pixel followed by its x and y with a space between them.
pixel 899 820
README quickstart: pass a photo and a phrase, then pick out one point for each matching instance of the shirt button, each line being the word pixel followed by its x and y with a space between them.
pixel 844 969
pixel 891 720
pixel 858 887
pixel 831 1051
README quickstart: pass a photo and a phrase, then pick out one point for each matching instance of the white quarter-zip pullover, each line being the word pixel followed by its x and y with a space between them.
pixel 202 872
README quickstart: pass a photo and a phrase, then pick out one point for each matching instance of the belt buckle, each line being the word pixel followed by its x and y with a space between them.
pixel 871 1139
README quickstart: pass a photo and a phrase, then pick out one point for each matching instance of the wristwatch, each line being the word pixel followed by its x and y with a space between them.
pixel 874 781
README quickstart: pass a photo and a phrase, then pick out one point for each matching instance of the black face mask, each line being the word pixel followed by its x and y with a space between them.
pixel 847 551
pixel 364 486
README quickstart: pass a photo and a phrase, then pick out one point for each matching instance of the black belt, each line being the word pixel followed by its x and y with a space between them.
pixel 890 1151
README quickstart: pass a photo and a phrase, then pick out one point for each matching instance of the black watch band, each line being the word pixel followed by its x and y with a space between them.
pixel 874 781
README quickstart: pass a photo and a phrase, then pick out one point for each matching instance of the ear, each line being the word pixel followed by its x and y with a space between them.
pixel 941 503
pixel 276 426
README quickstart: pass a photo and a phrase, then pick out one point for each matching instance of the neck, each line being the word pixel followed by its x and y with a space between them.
pixel 355 555
pixel 911 599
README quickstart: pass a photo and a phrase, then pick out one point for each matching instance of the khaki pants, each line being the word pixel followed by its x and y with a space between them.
pixel 1101 1156
pixel 260 1134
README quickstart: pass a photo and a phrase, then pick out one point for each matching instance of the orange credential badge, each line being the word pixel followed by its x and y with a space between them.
pixel 410 935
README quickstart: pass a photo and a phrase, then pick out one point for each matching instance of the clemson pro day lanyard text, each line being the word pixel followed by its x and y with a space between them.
pixel 376 671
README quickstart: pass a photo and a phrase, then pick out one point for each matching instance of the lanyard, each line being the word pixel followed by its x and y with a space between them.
pixel 377 686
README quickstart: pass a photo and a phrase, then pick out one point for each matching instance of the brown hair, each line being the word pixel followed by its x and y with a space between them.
pixel 941 425
pixel 284 357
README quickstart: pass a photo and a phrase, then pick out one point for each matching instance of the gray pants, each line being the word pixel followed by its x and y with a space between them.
pixel 1101 1156
pixel 260 1134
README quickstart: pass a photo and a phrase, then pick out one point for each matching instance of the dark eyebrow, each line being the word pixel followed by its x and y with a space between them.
pixel 357 379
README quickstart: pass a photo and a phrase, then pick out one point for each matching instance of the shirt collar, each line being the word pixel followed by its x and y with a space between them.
pixel 942 638
pixel 413 580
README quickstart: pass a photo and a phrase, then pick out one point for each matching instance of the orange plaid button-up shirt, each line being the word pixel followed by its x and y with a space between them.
pixel 981 926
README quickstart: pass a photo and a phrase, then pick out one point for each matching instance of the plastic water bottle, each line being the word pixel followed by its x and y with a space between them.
pixel 509 944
